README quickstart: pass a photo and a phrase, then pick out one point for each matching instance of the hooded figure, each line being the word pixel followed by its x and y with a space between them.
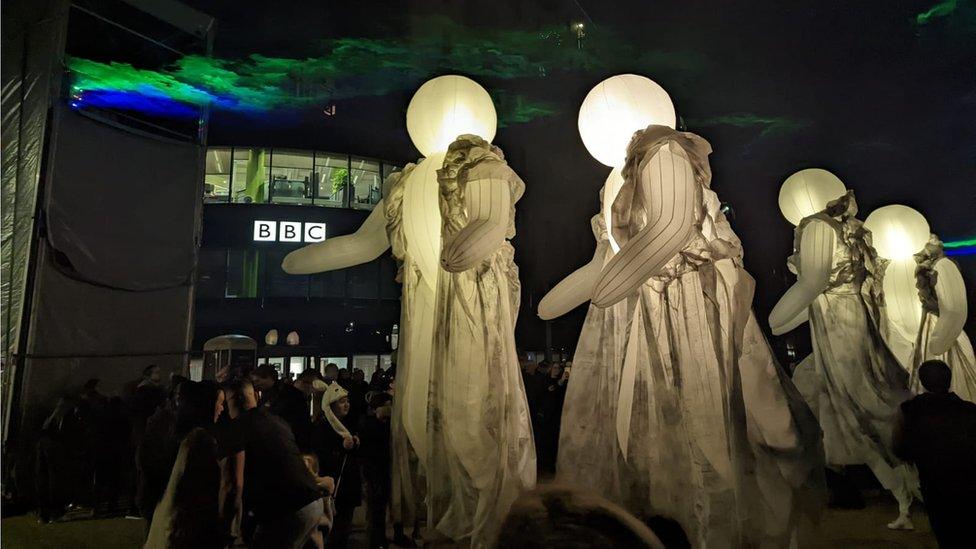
pixel 337 448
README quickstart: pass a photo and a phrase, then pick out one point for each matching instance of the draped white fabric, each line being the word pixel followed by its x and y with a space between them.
pixel 959 357
pixel 942 297
pixel 852 380
pixel 676 405
pixel 482 453
pixel 411 199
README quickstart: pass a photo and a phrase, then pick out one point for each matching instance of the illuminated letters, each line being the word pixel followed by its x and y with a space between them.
pixel 291 231
pixel 265 231
pixel 314 232
pixel 288 231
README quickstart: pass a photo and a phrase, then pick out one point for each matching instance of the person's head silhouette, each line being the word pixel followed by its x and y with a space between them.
pixel 935 376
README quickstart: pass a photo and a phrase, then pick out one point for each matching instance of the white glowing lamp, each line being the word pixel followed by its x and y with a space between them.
pixel 446 107
pixel 615 109
pixel 898 232
pixel 271 338
pixel 292 338
pixel 807 192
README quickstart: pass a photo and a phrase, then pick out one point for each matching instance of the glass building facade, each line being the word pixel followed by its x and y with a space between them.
pixel 254 175
pixel 344 316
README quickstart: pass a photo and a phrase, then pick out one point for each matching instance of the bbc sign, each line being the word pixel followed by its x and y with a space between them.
pixel 288 231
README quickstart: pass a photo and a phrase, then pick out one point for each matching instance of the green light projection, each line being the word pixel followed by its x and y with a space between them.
pixel 770 125
pixel 960 243
pixel 942 9
pixel 357 67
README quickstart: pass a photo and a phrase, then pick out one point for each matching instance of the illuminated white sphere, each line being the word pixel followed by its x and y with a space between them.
pixel 446 107
pixel 615 109
pixel 898 232
pixel 807 192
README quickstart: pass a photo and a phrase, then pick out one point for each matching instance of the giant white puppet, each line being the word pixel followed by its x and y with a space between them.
pixel 408 220
pixel 852 380
pixel 925 297
pixel 589 452
pixel 671 370
pixel 482 454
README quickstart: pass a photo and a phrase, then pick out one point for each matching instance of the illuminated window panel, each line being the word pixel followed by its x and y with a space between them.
pixel 291 177
pixel 331 179
pixel 366 183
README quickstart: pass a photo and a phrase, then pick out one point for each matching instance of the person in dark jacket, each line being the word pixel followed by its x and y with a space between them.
pixel 284 401
pixel 936 431
pixel 285 502
pixel 357 388
pixel 549 410
pixel 148 395
pixel 375 456
pixel 337 448
pixel 52 470
pixel 156 452
pixel 188 514
pixel 113 455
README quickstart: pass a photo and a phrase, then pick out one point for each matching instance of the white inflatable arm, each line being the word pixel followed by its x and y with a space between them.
pixel 816 257
pixel 951 293
pixel 362 246
pixel 487 202
pixel 672 197
pixel 797 320
pixel 575 289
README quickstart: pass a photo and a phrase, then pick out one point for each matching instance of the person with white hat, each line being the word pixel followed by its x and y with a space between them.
pixel 337 446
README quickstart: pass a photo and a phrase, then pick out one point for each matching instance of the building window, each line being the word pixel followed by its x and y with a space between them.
pixel 211 273
pixel 366 363
pixel 296 365
pixel 280 283
pixel 250 176
pixel 244 273
pixel 362 281
pixel 253 175
pixel 216 186
pixel 340 361
pixel 389 288
pixel 329 284
pixel 331 178
pixel 365 182
pixel 279 364
pixel 388 169
pixel 291 177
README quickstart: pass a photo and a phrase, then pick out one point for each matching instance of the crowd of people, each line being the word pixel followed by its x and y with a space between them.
pixel 265 461
pixel 545 389
pixel 255 460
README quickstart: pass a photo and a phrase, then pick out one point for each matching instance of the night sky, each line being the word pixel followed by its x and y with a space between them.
pixel 881 93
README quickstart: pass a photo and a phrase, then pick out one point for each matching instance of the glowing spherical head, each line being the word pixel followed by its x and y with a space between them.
pixel 807 192
pixel 615 109
pixel 446 107
pixel 897 231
